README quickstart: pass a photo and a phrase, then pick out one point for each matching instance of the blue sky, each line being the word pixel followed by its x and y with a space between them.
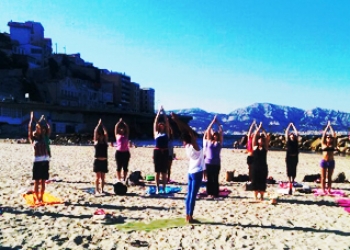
pixel 215 55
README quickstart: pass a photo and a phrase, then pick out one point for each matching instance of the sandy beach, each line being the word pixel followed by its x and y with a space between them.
pixel 298 221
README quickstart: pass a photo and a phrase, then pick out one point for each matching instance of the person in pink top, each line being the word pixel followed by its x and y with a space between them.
pixel 122 153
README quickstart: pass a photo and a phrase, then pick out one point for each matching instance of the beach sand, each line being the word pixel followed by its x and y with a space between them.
pixel 298 221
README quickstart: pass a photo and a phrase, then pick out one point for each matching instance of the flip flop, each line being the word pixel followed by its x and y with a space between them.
pixel 139 243
pixel 99 212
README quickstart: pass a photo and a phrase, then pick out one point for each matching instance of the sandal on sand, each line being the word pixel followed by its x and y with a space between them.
pixel 139 243
pixel 99 212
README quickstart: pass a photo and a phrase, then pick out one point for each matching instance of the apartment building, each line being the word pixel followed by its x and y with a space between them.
pixel 30 41
pixel 147 100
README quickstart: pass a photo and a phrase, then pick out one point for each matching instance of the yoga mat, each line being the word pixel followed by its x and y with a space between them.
pixel 223 192
pixel 48 199
pixel 344 202
pixel 319 192
pixel 168 190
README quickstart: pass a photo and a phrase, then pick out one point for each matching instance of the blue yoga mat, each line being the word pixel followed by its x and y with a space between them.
pixel 168 190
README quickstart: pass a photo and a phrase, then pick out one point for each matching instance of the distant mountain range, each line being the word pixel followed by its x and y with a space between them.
pixel 275 118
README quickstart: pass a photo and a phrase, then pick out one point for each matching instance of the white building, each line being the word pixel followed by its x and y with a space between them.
pixel 31 42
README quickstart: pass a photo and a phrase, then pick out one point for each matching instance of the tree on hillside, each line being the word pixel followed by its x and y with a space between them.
pixel 54 68
pixel 5 61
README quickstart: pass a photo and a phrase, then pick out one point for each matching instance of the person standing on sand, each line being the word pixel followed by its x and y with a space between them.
pixel 205 137
pixel 171 151
pixel 161 151
pixel 196 163
pixel 212 157
pixel 328 145
pixel 259 166
pixel 250 157
pixel 292 155
pixel 122 153
pixel 41 158
pixel 101 157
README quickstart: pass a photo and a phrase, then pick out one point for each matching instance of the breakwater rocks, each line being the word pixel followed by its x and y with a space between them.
pixel 310 143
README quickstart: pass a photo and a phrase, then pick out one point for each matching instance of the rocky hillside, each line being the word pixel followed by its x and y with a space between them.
pixel 275 118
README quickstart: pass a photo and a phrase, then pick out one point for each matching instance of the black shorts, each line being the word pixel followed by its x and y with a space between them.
pixel 101 166
pixel 161 160
pixel 122 158
pixel 41 170
pixel 250 160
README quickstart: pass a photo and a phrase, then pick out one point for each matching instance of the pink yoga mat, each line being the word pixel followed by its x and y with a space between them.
pixel 319 192
pixel 344 202
pixel 224 192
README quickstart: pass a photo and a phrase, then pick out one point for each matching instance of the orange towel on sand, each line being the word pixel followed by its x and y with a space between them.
pixel 48 199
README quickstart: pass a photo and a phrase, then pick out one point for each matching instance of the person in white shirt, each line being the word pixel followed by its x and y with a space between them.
pixel 196 164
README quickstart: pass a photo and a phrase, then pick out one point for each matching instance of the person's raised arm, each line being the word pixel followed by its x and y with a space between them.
pixel 250 131
pixel 221 131
pixel 167 124
pixel 183 127
pixel 105 133
pixel 295 130
pixel 286 135
pixel 127 130
pixel 30 131
pixel 256 134
pixel 116 127
pixel 48 129
pixel 323 139
pixel 96 129
pixel 155 123
pixel 335 141
pixel 209 129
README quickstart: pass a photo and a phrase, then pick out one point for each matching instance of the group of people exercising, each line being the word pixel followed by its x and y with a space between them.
pixel 204 161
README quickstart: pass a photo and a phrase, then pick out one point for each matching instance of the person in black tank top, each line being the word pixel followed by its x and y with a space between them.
pixel 161 150
pixel 259 166
pixel 292 155
pixel 101 156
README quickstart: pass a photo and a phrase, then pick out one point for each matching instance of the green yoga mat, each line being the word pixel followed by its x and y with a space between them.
pixel 149 177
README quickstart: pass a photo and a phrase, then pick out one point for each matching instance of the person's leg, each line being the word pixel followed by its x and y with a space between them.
pixel 125 174
pixel 210 180
pixel 216 173
pixel 126 165
pixel 330 174
pixel 42 190
pixel 157 181
pixel 119 165
pixel 36 190
pixel 262 195
pixel 256 194
pixel 97 182
pixel 250 172
pixel 323 178
pixel 164 180
pixel 289 174
pixel 170 162
pixel 197 180
pixel 188 196
pixel 119 176
pixel 205 175
pixel 102 181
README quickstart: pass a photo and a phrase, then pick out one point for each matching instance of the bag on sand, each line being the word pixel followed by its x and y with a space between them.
pixel 120 188
pixel 134 178
pixel 248 186
pixel 341 178
pixel 311 177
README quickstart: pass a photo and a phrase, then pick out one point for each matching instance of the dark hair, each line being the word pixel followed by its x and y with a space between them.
pixel 186 137
pixel 100 130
